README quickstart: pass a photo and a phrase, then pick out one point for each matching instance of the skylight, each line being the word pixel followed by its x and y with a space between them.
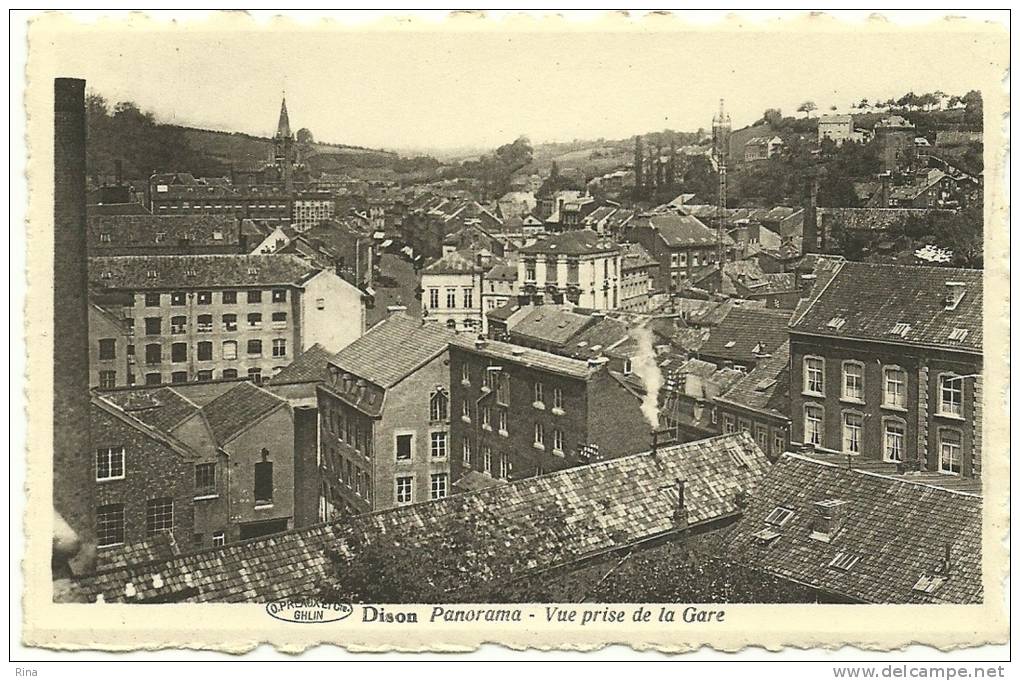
pixel 958 335
pixel 730 344
pixel 844 561
pixel 766 535
pixel 836 323
pixel 900 330
pixel 779 516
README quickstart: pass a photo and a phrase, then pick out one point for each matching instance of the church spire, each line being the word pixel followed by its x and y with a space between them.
pixel 283 127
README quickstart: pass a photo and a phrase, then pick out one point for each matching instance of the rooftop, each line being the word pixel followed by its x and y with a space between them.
pixel 881 545
pixel 578 242
pixel 308 367
pixel 746 334
pixel 155 231
pixel 550 324
pixel 681 231
pixel 455 262
pixel 162 272
pixel 525 356
pixel 236 410
pixel 766 388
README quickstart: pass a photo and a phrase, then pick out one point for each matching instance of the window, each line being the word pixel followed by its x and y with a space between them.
pixel 264 483
pixel 320 303
pixel 110 463
pixel 179 377
pixel 108 378
pixel 205 479
pixel 853 381
pixel 487 417
pixel 558 399
pixel 204 375
pixel 229 373
pixel 107 348
pixel 504 465
pixel 814 375
pixel 153 353
pixel 438 444
pixel 204 297
pixel 487 459
pixel 178 298
pixel 159 516
pixel 729 424
pixel 778 441
pixel 853 422
pixel 439 406
pixel 279 347
pixel 465 453
pixel 255 375
pixel 178 325
pixel 153 326
pixel 439 485
pixel 229 297
pixel 152 299
pixel 451 297
pixel 813 425
pixel 539 393
pixel 204 351
pixel 503 389
pixel 405 484
pixel 951 396
pixel 433 297
pixel 254 348
pixel 557 440
pixel 254 296
pixel 404 447
pixel 280 295
pixel 219 539
pixel 179 352
pixel 529 270
pixel 129 325
pixel 465 374
pixel 469 297
pixel 205 323
pixel 254 320
pixel 279 320
pixel 893 440
pixel 950 451
pixel 230 322
pixel 230 349
pixel 539 436
pixel 501 417
pixel 761 436
pixel 153 379
pixel 894 391
pixel 110 525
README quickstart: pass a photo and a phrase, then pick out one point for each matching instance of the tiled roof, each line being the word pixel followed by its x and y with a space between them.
pixel 529 357
pixel 563 517
pixel 308 367
pixel 162 272
pixel 636 256
pixel 550 324
pixel 154 231
pixel 767 387
pixel 502 271
pixel 455 262
pixel 873 218
pixel 234 411
pixel 161 408
pixel 162 546
pixel 392 349
pixel 680 231
pixel 743 329
pixel 103 209
pixel 888 529
pixel 578 242
pixel 872 300
pixel 504 311
pixel 606 336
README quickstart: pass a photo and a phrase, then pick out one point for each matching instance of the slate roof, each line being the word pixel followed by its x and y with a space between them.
pixel 504 311
pixel 393 349
pixel 550 324
pixel 162 546
pixel 873 218
pixel 502 271
pixel 525 356
pixel 636 256
pixel 683 231
pixel 747 327
pixel 455 262
pixel 236 410
pixel 308 367
pixel 161 408
pixel 872 299
pixel 141 231
pixel 767 387
pixel 577 242
pixel 888 526
pixel 131 272
pixel 564 517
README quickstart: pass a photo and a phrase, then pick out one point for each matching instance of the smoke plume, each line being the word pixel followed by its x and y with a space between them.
pixel 643 364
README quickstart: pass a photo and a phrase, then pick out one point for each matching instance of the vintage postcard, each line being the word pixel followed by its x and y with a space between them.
pixel 547 331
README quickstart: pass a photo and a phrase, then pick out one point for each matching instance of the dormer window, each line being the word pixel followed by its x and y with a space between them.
pixel 955 291
pixel 836 323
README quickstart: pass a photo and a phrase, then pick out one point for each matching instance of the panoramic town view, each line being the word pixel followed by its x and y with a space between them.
pixel 735 363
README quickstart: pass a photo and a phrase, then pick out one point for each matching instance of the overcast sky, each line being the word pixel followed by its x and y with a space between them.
pixel 427 90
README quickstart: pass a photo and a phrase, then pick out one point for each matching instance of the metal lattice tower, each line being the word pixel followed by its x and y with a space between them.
pixel 721 128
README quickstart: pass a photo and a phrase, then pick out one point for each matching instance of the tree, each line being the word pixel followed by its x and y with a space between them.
pixel 833 108
pixel 807 107
pixel 773 117
pixel 975 107
pixel 863 104
pixel 304 136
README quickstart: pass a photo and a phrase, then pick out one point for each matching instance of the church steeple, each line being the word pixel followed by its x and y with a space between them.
pixel 283 127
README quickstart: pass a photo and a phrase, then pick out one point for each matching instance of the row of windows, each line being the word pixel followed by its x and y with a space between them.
pixel 204 350
pixel 159 518
pixel 355 432
pixel 760 431
pixel 468 298
pixel 894 385
pixel 352 475
pixel 894 437
pixel 108 378
pixel 204 324
pixel 697 259
pixel 404 445
pixel 484 463
pixel 501 382
pixel 439 487
pixel 178 298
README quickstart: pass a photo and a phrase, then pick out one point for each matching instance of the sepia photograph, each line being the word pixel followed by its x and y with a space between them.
pixel 533 331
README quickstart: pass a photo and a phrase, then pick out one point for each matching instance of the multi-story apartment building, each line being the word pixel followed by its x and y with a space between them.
pixel 208 317
pixel 384 414
pixel 885 364
pixel 518 411
pixel 312 208
pixel 164 235
pixel 638 274
pixel 109 362
pixel 211 470
pixel 681 244
pixel 760 404
pixel 579 267
pixel 452 290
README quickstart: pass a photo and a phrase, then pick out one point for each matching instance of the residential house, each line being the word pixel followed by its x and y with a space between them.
pixel 579 267
pixel 745 336
pixel 202 317
pixel 681 244
pixel 762 148
pixel 886 365
pixel 452 290
pixel 638 274
pixel 385 421
pixel 856 536
pixel 688 398
pixel 759 403
pixel 500 283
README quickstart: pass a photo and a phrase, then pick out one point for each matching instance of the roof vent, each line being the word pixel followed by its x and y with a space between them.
pixel 517 352
pixel 830 515
pixel 253 271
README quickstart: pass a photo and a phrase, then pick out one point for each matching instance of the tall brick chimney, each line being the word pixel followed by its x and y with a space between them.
pixel 72 464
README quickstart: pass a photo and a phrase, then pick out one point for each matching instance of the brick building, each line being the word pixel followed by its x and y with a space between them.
pixel 384 416
pixel 886 365
pixel 518 411
pixel 579 267
pixel 681 244
pixel 638 274
pixel 165 235
pixel 759 403
pixel 221 316
pixel 745 336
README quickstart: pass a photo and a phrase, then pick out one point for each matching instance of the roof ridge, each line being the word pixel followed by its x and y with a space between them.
pixel 814 298
pixel 883 476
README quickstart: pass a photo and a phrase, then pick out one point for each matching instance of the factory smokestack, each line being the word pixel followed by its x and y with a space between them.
pixel 72 465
